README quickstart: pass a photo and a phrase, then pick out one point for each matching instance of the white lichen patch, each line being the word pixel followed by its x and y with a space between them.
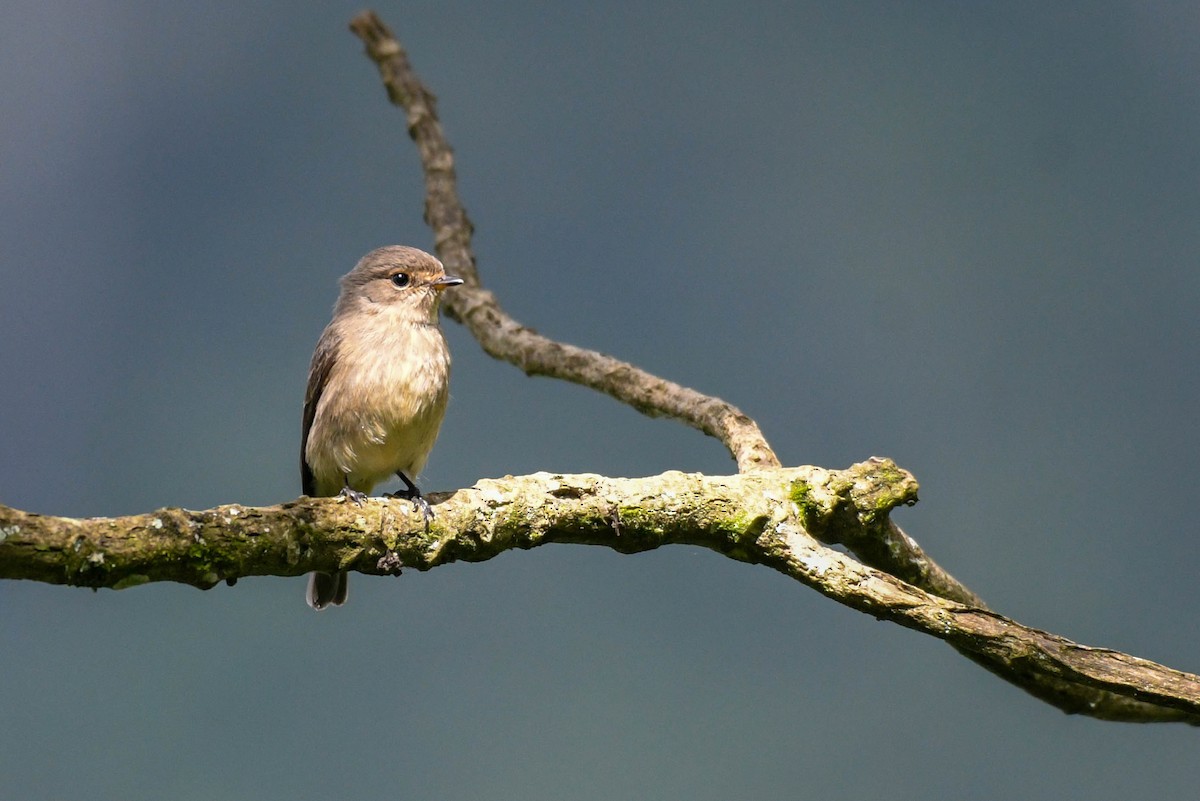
pixel 817 562
pixel 490 493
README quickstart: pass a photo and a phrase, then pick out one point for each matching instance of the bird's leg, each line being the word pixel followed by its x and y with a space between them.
pixel 411 493
pixel 359 498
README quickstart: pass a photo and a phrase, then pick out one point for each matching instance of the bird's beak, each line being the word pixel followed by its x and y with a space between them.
pixel 446 281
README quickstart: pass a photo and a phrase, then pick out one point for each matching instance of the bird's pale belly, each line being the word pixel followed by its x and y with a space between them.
pixel 379 414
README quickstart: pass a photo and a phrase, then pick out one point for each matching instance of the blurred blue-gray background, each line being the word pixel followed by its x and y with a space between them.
pixel 960 235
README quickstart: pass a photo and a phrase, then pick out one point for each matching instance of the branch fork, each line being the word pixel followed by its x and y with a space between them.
pixel 794 520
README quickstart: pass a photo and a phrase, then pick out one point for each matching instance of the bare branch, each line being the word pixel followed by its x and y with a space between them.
pixel 886 548
pixel 500 335
pixel 766 515
pixel 763 517
pixel 879 543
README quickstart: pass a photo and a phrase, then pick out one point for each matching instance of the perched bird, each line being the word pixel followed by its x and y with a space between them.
pixel 377 387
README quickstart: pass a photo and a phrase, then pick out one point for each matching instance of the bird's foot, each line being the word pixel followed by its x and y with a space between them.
pixel 418 500
pixel 359 498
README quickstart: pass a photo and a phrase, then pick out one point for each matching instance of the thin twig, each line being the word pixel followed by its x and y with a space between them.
pixel 878 543
pixel 884 547
pixel 500 335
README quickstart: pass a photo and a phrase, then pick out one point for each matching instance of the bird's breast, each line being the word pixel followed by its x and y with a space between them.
pixel 382 405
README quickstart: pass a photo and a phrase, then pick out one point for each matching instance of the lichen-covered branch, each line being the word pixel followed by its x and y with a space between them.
pixel 500 335
pixel 878 543
pixel 766 517
pixel 887 548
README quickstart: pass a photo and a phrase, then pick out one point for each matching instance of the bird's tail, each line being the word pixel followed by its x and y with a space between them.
pixel 325 589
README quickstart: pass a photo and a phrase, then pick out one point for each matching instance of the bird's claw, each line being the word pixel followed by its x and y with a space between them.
pixel 418 501
pixel 358 498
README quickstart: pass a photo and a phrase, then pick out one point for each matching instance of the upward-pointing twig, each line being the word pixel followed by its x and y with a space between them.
pixel 500 335
pixel 882 544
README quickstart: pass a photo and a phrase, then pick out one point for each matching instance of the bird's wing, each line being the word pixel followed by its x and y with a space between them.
pixel 318 373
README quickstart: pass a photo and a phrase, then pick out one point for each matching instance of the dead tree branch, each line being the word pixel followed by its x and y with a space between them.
pixel 766 517
pixel 782 518
pixel 885 547
pixel 501 336
pixel 504 338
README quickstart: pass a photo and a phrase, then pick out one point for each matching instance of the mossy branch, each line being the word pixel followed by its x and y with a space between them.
pixel 768 517
pixel 782 518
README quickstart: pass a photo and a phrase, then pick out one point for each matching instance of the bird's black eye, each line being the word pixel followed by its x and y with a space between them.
pixel 401 279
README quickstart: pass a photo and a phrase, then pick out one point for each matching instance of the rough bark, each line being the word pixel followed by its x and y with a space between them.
pixel 785 519
pixel 767 517
pixel 499 334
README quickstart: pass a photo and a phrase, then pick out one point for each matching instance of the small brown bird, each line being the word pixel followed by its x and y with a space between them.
pixel 377 387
